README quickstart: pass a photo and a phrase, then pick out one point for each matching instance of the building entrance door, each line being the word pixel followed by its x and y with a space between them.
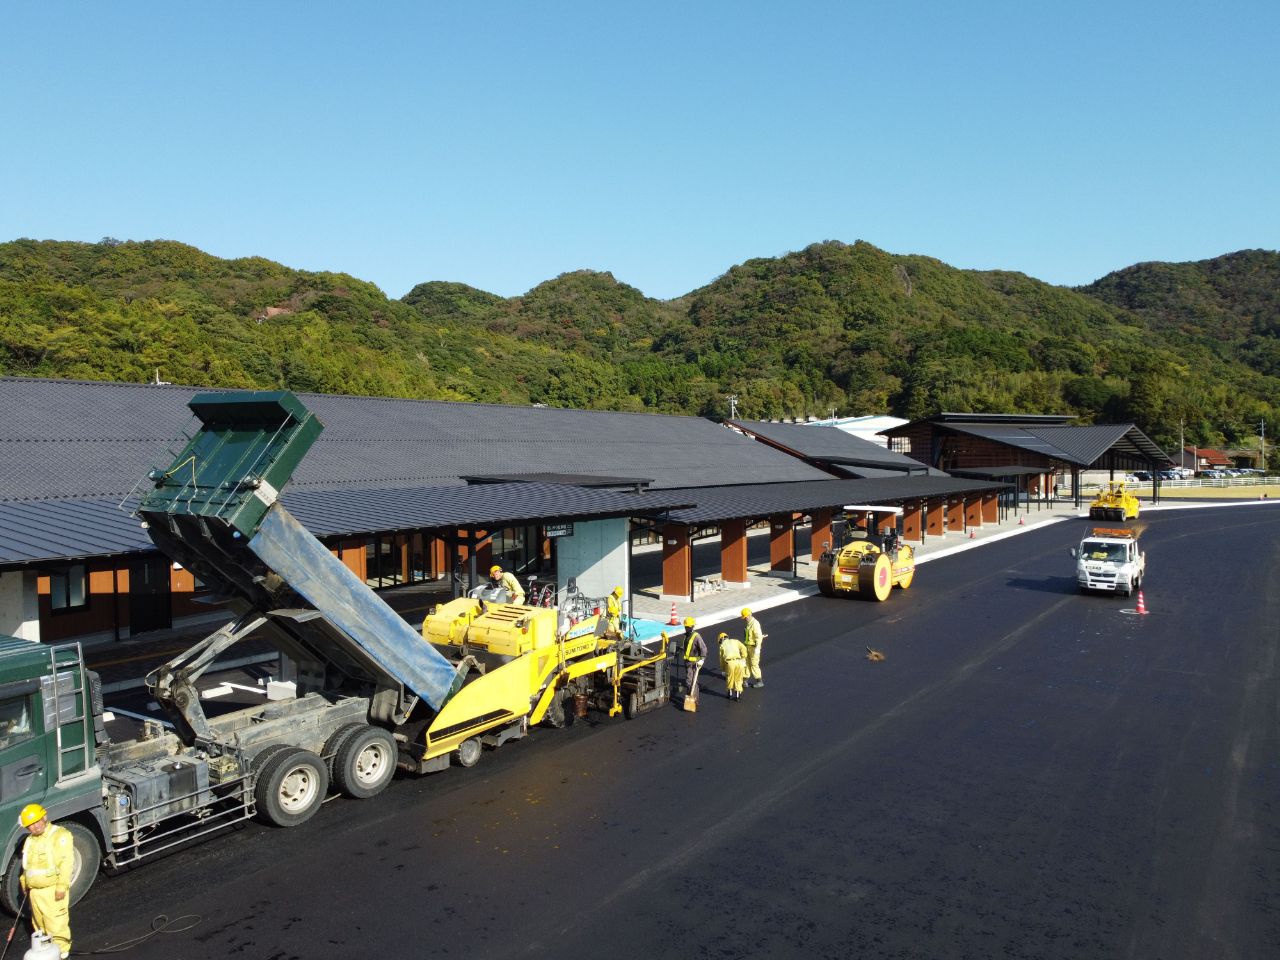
pixel 149 605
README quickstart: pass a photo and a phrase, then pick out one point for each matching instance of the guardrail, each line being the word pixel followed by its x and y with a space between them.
pixel 1140 485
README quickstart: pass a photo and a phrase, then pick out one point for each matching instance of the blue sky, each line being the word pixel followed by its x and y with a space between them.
pixel 502 144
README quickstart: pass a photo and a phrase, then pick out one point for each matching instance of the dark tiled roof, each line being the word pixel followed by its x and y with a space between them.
pixel 831 445
pixel 64 529
pixel 762 500
pixel 337 512
pixel 82 439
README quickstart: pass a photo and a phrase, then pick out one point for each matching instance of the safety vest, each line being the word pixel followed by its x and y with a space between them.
pixel 688 649
pixel 731 649
pixel 754 634
pixel 47 860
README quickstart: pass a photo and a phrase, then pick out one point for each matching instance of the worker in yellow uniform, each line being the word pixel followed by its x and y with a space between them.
pixel 613 613
pixel 733 658
pixel 47 859
pixel 754 642
pixel 508 582
pixel 695 652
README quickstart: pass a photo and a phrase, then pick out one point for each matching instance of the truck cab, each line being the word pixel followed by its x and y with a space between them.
pixel 1110 560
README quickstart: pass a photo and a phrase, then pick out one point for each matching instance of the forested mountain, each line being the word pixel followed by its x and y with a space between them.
pixel 833 325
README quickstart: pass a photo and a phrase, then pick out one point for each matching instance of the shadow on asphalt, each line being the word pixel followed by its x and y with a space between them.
pixel 1045 585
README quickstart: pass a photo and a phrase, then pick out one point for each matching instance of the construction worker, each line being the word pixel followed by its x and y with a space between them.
pixel 613 612
pixel 47 859
pixel 754 642
pixel 508 582
pixel 695 652
pixel 733 658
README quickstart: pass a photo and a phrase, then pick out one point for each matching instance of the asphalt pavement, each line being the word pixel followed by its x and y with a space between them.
pixel 1028 773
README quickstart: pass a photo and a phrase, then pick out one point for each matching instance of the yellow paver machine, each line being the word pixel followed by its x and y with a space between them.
pixel 536 664
pixel 866 568
pixel 1114 502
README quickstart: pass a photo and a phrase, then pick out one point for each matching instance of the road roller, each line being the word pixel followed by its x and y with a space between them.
pixel 867 568
pixel 1114 503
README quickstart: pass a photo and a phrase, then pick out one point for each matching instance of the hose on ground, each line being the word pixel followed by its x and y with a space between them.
pixel 160 924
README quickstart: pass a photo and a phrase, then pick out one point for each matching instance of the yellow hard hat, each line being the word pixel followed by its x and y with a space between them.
pixel 746 612
pixel 32 813
pixel 494 569
pixel 722 636
pixel 688 621
pixel 617 591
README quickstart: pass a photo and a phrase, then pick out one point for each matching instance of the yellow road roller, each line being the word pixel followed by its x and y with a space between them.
pixel 1114 502
pixel 865 568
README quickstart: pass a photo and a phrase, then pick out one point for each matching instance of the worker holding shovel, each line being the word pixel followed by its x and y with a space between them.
pixel 695 652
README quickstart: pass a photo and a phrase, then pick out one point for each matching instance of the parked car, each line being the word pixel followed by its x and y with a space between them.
pixel 1141 476
pixel 1210 475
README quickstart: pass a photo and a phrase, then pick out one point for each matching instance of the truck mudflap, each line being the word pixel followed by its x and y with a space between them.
pixel 287 548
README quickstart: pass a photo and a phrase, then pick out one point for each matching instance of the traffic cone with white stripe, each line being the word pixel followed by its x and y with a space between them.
pixel 673 622
pixel 1021 520
pixel 1142 607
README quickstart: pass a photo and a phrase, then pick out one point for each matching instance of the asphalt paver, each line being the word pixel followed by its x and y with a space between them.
pixel 1028 773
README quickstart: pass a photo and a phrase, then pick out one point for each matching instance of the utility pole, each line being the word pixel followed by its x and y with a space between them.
pixel 1182 444
pixel 1262 432
pixel 833 415
pixel 733 406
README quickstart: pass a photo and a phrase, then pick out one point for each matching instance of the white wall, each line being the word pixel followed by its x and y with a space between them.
pixel 19 605
pixel 597 555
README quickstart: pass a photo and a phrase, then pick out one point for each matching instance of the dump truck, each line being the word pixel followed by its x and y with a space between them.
pixel 1109 559
pixel 1114 503
pixel 372 695
pixel 868 568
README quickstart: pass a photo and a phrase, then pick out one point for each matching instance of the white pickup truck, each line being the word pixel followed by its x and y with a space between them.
pixel 1110 559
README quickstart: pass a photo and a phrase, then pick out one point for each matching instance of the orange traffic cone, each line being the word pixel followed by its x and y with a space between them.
pixel 1021 520
pixel 1142 607
pixel 971 534
pixel 673 622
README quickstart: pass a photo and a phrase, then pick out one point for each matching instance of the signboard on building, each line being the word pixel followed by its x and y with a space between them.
pixel 558 530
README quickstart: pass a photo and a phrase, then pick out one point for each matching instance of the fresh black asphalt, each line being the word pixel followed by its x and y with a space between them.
pixel 1028 773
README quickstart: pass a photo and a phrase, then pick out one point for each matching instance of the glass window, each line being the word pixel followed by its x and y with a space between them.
pixel 15 721
pixel 68 588
pixel 900 444
pixel 1105 551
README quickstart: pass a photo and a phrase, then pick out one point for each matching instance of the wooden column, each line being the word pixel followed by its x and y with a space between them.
pixel 886 522
pixel 913 521
pixel 820 532
pixel 933 517
pixel 781 542
pixel 733 551
pixel 955 515
pixel 973 511
pixel 677 562
pixel 990 508
pixel 484 556
pixel 406 572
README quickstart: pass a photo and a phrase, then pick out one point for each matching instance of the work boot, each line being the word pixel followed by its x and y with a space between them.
pixel 760 682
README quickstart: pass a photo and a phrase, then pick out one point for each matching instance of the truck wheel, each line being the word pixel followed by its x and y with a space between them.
pixel 86 861
pixel 365 763
pixel 468 752
pixel 334 744
pixel 291 787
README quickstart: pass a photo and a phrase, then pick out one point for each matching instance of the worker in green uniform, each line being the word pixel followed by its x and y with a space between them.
pixel 733 659
pixel 508 582
pixel 695 652
pixel 754 642
pixel 48 856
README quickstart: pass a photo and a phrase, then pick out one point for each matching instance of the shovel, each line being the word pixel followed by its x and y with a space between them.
pixel 691 695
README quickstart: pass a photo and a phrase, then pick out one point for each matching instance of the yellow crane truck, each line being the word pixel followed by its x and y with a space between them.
pixel 867 568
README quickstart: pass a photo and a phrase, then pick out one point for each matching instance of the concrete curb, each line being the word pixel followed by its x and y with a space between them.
pixel 735 613
pixel 1202 506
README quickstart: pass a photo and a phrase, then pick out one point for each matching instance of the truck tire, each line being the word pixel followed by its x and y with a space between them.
pixel 84 869
pixel 468 752
pixel 365 763
pixel 334 744
pixel 291 787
